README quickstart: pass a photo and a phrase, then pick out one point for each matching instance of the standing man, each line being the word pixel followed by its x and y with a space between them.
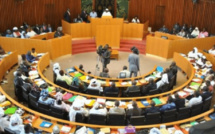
pixel 67 16
pixel 133 60
pixel 105 57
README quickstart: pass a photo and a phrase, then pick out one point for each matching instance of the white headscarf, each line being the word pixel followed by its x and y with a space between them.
pixel 3 120
pixel 1 112
pixel 15 118
pixel 56 66
pixel 193 53
pixel 94 81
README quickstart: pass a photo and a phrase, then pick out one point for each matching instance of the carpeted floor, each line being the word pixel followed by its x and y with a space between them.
pixel 89 60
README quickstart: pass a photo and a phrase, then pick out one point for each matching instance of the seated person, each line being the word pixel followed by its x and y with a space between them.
pixel 56 69
pixel 135 20
pixel 124 73
pixel 2 52
pixel 174 32
pixel 99 109
pixel 190 29
pixel 81 67
pixel 169 74
pixel 29 57
pixel 9 33
pixel 197 98
pixel 169 106
pixel 200 63
pixel 58 33
pixel 205 93
pixel 78 19
pixel 105 73
pixel 60 104
pixel 25 61
pixel 49 28
pixel 164 79
pixel 77 83
pixel 173 68
pixel 93 14
pixel 212 50
pixel 133 111
pixel 152 109
pixel 194 53
pixel 94 84
pixel 209 74
pixel 133 87
pixel 16 124
pixel 112 88
pixel 64 77
pixel 164 29
pixel 184 27
pixel 182 33
pixel 106 13
pixel 179 102
pixel 203 34
pixel 16 33
pixel 45 99
pixel 195 32
pixel 116 109
pixel 177 27
pixel 30 32
pixel 84 16
pixel 150 86
pixel 33 52
pixel 4 123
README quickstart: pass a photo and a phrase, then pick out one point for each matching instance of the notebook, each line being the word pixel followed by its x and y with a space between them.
pixel 67 96
pixel 46 124
pixel 72 98
pixel 78 74
pixel 145 102
pixel 157 101
pixel 10 110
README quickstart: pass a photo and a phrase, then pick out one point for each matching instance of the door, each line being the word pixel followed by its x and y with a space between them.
pixel 159 17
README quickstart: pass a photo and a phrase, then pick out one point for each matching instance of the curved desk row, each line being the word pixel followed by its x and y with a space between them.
pixel 184 64
pixel 39 118
pixel 165 48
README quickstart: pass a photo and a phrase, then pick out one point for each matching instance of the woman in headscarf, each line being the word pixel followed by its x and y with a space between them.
pixel 195 32
pixel 3 120
pixel 16 124
pixel 74 109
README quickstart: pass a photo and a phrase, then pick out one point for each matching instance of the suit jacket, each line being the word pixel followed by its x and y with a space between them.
pixel 110 89
pixel 67 17
pixel 106 57
pixel 179 103
pixel 147 88
pixel 117 110
pixel 206 95
pixel 103 74
pixel 133 112
pixel 152 110
pixel 133 88
pixel 133 60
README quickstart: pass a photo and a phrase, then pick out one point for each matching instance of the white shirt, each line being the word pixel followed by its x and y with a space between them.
pixel 31 33
pixel 106 13
pixel 135 21
pixel 93 14
pixel 73 112
pixel 194 100
pixel 211 51
pixel 126 72
pixel 102 111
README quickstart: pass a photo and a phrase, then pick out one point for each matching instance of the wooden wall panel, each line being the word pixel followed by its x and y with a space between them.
pixel 201 14
pixel 36 12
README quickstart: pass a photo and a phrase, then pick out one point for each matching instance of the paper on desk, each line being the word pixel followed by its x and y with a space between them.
pixel 122 103
pixel 110 103
pixel 66 129
pixel 181 93
pixel 105 130
pixel 129 106
pixel 124 83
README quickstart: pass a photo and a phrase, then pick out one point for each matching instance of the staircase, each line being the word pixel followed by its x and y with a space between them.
pixel 89 45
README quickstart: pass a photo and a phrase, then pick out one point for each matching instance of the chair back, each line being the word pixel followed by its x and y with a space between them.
pixel 137 120
pixel 97 119
pixel 43 108
pixel 32 103
pixel 169 115
pixel 183 113
pixel 196 109
pixel 116 119
pixel 79 117
pixel 92 91
pixel 8 131
pixel 206 104
pixel 111 94
pixel 154 91
pixel 153 118
pixel 58 112
pixel 134 93
pixel 62 84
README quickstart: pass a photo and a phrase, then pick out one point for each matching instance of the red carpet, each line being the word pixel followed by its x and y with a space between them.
pixel 89 45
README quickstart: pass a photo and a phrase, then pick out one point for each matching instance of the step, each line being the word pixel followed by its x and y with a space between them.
pixel 80 46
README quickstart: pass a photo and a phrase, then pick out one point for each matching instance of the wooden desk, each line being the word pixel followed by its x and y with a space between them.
pixel 114 54
pixel 180 61
pixel 56 121
pixel 56 46
pixel 165 48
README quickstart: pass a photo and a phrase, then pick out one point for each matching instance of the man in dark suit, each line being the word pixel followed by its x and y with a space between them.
pixel 152 109
pixel 105 57
pixel 150 86
pixel 179 102
pixel 58 33
pixel 112 88
pixel 205 93
pixel 67 16
pixel 134 87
